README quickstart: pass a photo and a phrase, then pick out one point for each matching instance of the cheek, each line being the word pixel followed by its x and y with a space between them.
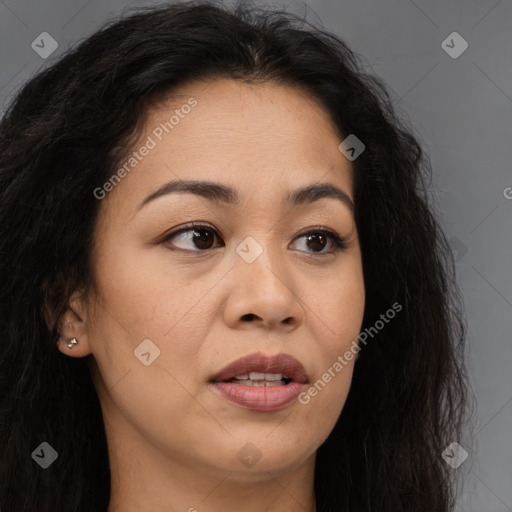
pixel 338 316
pixel 339 303
pixel 140 303
pixel 136 294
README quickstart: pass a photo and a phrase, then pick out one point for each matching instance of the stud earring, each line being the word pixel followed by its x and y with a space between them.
pixel 71 342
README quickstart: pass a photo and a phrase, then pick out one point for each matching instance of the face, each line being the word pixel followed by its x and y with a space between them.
pixel 175 304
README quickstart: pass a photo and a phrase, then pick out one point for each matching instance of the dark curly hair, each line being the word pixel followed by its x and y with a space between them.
pixel 64 135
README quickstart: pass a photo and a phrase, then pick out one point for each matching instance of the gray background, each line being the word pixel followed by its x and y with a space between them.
pixel 461 110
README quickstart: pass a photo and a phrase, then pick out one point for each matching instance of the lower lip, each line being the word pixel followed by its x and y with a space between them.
pixel 260 398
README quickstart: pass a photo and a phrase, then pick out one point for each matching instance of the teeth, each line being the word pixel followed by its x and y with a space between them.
pixel 260 383
pixel 256 376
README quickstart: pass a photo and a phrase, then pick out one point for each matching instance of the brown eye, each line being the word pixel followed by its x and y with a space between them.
pixel 193 238
pixel 317 240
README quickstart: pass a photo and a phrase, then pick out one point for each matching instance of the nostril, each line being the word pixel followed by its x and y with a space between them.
pixel 249 316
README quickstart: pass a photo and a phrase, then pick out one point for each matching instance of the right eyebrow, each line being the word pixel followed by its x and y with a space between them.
pixel 221 193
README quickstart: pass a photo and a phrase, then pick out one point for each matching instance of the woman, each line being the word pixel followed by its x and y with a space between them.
pixel 222 282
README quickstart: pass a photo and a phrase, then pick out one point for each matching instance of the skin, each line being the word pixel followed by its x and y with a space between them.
pixel 173 441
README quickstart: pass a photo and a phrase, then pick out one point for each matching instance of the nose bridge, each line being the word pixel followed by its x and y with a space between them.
pixel 263 268
pixel 262 286
pixel 259 256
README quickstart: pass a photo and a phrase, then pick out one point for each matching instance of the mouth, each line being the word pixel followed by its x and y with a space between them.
pixel 261 383
pixel 259 379
pixel 263 371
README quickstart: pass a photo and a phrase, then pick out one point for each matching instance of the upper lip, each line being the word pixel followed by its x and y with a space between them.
pixel 258 362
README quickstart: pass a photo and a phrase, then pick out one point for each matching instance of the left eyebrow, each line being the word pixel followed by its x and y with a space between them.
pixel 220 193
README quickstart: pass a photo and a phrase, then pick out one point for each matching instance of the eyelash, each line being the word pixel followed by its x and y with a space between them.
pixel 339 242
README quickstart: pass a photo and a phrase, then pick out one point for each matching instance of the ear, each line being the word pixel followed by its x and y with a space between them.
pixel 73 324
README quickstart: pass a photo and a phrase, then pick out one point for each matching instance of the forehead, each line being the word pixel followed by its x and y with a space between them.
pixel 262 139
pixel 235 111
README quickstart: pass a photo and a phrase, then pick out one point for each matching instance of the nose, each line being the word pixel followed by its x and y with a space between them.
pixel 263 293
